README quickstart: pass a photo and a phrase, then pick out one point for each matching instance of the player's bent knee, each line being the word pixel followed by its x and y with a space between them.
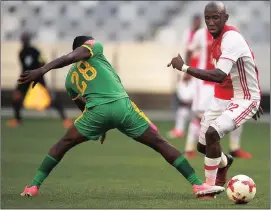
pixel 72 137
pixel 211 135
pixel 16 96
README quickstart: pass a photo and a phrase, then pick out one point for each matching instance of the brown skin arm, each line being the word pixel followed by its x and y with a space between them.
pixel 78 54
pixel 80 103
pixel 215 75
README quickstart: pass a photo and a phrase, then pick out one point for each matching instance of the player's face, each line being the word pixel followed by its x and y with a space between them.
pixel 215 21
pixel 197 23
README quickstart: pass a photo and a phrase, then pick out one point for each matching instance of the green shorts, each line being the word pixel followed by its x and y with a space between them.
pixel 122 114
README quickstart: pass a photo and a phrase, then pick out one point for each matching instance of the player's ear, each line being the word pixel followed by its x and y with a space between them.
pixel 226 17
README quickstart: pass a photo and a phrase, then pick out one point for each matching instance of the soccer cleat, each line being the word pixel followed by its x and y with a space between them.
pixel 221 176
pixel 206 197
pixel 205 190
pixel 175 133
pixel 30 191
pixel 190 154
pixel 67 123
pixel 13 123
pixel 241 154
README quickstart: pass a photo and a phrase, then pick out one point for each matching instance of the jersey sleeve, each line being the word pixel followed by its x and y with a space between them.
pixel 94 47
pixel 224 65
pixel 233 46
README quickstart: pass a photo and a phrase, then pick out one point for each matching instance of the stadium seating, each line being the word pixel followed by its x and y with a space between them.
pixel 122 20
pixel 251 18
pixel 108 20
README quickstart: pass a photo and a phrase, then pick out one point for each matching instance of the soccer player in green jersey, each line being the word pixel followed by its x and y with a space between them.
pixel 98 92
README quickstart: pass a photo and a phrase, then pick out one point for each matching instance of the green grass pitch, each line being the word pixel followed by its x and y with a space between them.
pixel 121 173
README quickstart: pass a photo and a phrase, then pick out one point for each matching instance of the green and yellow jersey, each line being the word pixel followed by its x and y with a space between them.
pixel 94 78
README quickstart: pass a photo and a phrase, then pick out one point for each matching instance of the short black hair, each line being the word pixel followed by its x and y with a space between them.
pixel 80 40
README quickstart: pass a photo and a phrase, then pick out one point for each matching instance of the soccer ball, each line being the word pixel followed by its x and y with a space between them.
pixel 241 189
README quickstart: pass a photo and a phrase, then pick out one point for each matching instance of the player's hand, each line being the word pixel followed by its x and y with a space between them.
pixel 176 62
pixel 258 113
pixel 30 76
pixel 103 138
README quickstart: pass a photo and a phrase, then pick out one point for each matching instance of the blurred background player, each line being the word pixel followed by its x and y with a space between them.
pixel 31 58
pixel 204 92
pixel 185 86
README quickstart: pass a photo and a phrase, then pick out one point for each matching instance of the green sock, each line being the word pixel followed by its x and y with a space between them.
pixel 45 168
pixel 183 166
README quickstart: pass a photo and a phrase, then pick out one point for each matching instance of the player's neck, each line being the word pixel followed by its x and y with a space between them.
pixel 215 36
pixel 26 45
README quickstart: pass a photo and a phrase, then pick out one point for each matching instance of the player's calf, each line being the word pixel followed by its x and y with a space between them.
pixel 176 159
pixel 201 148
pixel 71 139
pixel 213 148
pixel 213 155
pixel 56 153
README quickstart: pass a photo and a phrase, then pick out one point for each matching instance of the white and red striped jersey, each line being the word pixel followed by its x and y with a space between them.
pixel 202 45
pixel 232 55
pixel 187 39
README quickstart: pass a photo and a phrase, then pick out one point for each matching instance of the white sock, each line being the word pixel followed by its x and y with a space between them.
pixel 192 136
pixel 224 161
pixel 211 167
pixel 235 137
pixel 182 117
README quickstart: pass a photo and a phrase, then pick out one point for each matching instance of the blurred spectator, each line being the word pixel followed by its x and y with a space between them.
pixel 30 59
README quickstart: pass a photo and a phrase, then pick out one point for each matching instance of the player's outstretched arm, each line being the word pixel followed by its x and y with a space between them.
pixel 215 75
pixel 78 54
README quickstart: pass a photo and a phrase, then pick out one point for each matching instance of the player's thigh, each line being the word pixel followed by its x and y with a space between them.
pixel 130 120
pixel 93 122
pixel 236 113
pixel 214 110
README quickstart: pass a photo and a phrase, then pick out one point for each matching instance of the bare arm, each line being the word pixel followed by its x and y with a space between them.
pixel 78 54
pixel 80 103
pixel 215 75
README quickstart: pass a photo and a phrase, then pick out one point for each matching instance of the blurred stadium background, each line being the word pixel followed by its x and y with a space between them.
pixel 140 37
